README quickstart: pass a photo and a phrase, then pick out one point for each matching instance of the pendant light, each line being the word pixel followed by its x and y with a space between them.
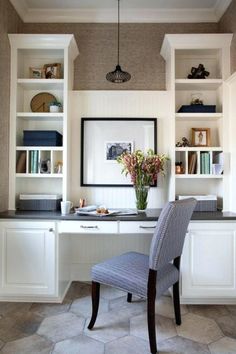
pixel 118 76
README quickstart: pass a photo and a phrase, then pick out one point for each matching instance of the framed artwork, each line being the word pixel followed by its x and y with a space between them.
pixel 36 73
pixel 52 71
pixel 201 136
pixel 104 139
pixel 114 149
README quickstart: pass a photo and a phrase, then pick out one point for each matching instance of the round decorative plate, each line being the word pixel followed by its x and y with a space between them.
pixel 40 102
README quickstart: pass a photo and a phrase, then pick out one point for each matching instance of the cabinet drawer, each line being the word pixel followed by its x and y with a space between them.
pixel 88 227
pixel 137 227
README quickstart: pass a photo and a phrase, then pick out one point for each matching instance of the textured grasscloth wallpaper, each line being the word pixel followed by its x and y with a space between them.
pixel 139 52
pixel 228 24
pixel 9 23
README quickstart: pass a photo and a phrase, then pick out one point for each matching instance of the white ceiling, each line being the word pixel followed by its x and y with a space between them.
pixel 131 10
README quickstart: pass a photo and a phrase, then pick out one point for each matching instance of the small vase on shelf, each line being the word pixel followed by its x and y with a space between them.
pixel 141 193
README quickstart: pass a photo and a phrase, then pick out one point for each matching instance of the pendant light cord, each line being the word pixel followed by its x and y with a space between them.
pixel 118 54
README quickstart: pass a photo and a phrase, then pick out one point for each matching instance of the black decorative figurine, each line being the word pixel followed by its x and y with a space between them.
pixel 198 73
pixel 184 143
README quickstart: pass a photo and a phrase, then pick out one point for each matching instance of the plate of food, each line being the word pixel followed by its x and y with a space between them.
pixel 100 211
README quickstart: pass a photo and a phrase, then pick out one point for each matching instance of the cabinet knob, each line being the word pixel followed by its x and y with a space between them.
pixel 51 229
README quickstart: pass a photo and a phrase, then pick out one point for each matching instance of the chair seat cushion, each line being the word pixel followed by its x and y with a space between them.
pixel 129 272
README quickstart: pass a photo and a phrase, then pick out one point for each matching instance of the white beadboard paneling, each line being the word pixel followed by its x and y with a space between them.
pixel 136 104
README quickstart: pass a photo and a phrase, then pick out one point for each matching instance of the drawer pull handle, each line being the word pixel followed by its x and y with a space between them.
pixel 88 227
pixel 147 227
pixel 51 229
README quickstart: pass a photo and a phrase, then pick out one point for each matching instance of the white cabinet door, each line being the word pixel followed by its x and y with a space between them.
pixel 27 258
pixel 208 261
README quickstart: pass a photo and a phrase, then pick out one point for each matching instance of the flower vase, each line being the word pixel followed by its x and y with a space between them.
pixel 141 193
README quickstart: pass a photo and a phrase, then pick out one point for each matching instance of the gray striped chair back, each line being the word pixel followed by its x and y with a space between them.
pixel 168 239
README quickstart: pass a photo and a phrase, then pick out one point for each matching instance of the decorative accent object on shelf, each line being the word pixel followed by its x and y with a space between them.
pixel 36 73
pixel 196 98
pixel 184 143
pixel 201 136
pixel 118 75
pixel 198 73
pixel 143 170
pixel 179 169
pixel 41 101
pixel 42 138
pixel 52 71
pixel 55 107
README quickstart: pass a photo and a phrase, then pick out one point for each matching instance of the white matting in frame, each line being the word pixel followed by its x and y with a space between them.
pixel 98 164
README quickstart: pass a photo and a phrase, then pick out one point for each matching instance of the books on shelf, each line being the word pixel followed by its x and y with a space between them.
pixel 21 163
pixel 205 164
pixel 34 156
pixel 192 163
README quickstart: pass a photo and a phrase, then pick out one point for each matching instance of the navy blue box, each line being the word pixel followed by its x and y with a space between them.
pixel 42 138
pixel 197 108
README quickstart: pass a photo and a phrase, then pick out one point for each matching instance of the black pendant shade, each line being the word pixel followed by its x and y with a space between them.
pixel 118 76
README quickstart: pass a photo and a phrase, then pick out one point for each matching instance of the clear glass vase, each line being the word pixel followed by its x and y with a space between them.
pixel 141 193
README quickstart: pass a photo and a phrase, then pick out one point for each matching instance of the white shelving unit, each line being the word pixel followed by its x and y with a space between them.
pixel 181 53
pixel 34 51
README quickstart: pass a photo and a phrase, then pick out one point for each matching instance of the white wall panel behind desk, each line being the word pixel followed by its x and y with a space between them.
pixel 136 104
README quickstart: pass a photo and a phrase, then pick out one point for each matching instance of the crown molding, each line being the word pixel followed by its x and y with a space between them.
pixel 128 16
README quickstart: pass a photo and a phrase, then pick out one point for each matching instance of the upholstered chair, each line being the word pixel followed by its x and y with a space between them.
pixel 149 276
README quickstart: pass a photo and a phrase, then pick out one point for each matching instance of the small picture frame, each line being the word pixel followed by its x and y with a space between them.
pixel 36 73
pixel 114 149
pixel 201 136
pixel 52 71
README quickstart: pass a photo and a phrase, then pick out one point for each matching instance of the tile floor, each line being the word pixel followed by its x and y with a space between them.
pixel 121 328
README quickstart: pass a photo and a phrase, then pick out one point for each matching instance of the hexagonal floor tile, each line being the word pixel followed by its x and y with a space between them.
pixel 109 293
pixel 210 311
pixel 29 322
pixel 63 326
pixel 228 325
pixel 14 309
pixel 200 329
pixel 1 344
pixel 164 327
pixel 164 306
pixel 79 345
pixel 8 331
pixel 179 345
pixel 127 345
pixel 78 290
pixel 29 345
pixel 46 309
pixel 109 326
pixel 83 306
pixel 136 307
pixel 223 346
pixel 232 309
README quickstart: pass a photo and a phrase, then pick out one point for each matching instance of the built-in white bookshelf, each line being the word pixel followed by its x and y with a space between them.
pixel 199 172
pixel 29 51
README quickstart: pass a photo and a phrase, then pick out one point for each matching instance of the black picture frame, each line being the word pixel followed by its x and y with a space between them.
pixel 115 125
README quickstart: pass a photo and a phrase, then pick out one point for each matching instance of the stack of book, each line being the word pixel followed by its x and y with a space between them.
pixel 205 166
pixel 34 156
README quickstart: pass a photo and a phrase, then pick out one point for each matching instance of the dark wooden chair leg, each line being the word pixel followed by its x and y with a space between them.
pixel 151 296
pixel 176 300
pixel 95 303
pixel 176 303
pixel 129 297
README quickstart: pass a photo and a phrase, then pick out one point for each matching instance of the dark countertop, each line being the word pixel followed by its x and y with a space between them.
pixel 148 215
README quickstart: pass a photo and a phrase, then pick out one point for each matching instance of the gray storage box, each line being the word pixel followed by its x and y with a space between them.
pixel 40 202
pixel 204 202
